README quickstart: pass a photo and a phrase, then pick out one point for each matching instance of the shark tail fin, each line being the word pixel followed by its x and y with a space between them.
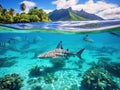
pixel 79 53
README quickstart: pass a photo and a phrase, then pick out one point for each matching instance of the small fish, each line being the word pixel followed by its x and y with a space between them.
pixel 115 34
pixel 86 38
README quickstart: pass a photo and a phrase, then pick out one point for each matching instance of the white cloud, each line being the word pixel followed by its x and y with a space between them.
pixel 48 11
pixel 110 13
pixel 100 7
pixel 29 5
pixel 65 3
pixel 92 7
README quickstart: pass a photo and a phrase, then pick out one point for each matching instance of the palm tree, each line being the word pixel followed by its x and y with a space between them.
pixel 23 7
pixel 1 8
pixel 35 7
pixel 4 12
pixel 12 12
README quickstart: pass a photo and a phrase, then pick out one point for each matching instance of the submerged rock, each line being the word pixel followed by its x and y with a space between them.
pixel 11 82
pixel 98 79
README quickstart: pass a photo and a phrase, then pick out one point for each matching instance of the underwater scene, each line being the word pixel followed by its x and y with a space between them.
pixel 60 56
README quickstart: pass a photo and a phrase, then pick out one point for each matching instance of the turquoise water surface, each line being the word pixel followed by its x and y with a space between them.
pixel 19 50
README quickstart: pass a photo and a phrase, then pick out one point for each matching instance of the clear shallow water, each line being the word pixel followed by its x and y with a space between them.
pixel 23 48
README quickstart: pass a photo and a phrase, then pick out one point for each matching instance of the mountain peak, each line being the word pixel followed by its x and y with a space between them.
pixel 72 15
pixel 82 10
pixel 70 9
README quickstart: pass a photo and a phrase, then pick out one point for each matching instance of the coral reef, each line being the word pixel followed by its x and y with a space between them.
pixel 113 68
pixel 11 82
pixel 35 71
pixel 98 79
pixel 50 78
pixel 31 81
pixel 71 87
pixel 37 87
pixel 100 64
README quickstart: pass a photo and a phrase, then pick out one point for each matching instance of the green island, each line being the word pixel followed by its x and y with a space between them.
pixel 34 15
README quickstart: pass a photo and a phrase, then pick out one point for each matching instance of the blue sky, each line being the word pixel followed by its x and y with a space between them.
pixel 104 8
pixel 45 4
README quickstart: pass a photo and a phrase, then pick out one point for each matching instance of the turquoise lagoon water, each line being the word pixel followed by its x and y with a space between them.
pixel 20 46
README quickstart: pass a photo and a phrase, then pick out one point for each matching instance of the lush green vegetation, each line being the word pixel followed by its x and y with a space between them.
pixel 34 15
pixel 73 17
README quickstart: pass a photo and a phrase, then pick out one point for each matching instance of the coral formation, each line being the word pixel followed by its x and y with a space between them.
pixel 11 82
pixel 71 87
pixel 113 68
pixel 31 81
pixel 98 79
pixel 35 71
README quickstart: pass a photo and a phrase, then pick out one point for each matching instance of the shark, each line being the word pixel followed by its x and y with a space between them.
pixel 60 53
pixel 88 39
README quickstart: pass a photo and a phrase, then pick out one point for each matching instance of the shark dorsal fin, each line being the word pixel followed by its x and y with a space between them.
pixel 59 46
